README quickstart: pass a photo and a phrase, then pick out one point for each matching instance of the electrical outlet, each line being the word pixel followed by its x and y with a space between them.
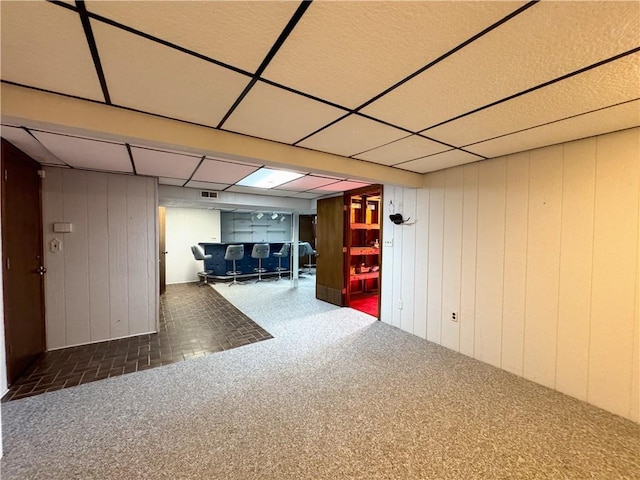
pixel 388 242
pixel 400 304
pixel 454 316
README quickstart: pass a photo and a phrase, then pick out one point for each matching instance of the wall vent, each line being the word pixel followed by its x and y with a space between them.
pixel 208 194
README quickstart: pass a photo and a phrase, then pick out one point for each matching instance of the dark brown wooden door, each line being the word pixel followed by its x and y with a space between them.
pixel 162 226
pixel 329 245
pixel 23 272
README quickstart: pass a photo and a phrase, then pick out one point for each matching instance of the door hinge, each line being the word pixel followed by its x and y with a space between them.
pixel 8 263
pixel 6 175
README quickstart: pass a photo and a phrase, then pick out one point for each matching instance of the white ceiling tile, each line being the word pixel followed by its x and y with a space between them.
pixel 258 191
pixel 238 33
pixel 603 121
pixel 276 114
pixel 163 164
pixel 545 42
pixel 222 172
pixel 86 153
pixel 151 77
pixel 171 181
pixel 439 161
pixel 342 186
pixel 208 185
pixel 307 182
pixel 44 46
pixel 29 145
pixel 352 135
pixel 347 52
pixel 308 195
pixel 610 84
pixel 402 150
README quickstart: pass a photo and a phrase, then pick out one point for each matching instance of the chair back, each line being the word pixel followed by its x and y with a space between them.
pixel 198 254
pixel 260 250
pixel 284 251
pixel 234 252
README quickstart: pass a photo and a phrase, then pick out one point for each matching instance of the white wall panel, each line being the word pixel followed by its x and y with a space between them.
pixel 386 282
pixel 137 256
pixel 543 265
pixel 549 280
pixel 76 266
pixel 98 241
pixel 452 259
pixel 576 255
pixel 398 234
pixel 515 262
pixel 614 271
pixel 153 245
pixel 436 239
pixel 408 247
pixel 186 227
pixel 468 258
pixel 490 260
pixel 102 284
pixel 118 268
pixel 422 262
pixel 54 286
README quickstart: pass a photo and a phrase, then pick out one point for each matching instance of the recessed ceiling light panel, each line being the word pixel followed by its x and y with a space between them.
pixel 268 178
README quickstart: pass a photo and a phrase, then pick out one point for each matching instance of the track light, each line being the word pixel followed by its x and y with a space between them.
pixel 274 216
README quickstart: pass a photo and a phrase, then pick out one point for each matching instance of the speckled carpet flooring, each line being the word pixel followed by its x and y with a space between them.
pixel 335 395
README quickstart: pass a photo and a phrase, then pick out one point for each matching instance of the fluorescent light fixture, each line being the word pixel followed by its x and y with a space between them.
pixel 268 178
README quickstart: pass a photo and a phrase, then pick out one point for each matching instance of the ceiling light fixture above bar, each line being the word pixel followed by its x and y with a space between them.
pixel 268 178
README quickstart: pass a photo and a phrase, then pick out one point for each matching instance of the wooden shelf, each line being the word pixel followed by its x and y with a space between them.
pixel 364 251
pixel 365 276
pixel 365 226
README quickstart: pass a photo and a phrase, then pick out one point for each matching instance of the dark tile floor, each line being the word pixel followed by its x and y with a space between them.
pixel 194 321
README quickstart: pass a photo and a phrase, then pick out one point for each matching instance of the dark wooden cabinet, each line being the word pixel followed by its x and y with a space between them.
pixel 363 243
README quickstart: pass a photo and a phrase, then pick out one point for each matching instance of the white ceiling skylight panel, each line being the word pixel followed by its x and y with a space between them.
pixel 268 178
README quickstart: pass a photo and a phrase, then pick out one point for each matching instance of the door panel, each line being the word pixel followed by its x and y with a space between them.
pixel 23 281
pixel 329 244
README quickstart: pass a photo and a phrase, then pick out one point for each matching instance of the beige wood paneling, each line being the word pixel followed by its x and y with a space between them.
pixel 576 255
pixel 98 241
pixel 515 262
pixel 452 258
pixel 76 264
pixel 614 271
pixel 436 239
pixel 468 258
pixel 408 248
pixel 543 265
pixel 490 260
pixel 422 262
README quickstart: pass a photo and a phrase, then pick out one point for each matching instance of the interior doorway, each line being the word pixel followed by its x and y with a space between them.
pixel 23 270
pixel 162 235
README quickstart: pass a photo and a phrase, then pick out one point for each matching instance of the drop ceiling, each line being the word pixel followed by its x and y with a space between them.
pixel 411 86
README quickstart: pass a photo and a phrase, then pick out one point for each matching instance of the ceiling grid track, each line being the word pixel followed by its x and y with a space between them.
pixel 86 25
pixel 267 59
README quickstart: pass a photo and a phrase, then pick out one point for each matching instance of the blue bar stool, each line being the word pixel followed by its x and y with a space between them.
pixel 233 253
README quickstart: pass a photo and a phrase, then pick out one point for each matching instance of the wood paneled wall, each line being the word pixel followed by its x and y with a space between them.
pixel 103 284
pixel 538 254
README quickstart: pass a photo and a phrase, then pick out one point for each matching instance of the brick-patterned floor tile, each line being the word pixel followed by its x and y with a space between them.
pixel 194 322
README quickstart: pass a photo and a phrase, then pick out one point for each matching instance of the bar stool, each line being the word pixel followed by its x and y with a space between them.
pixel 304 248
pixel 199 255
pixel 284 252
pixel 233 253
pixel 260 251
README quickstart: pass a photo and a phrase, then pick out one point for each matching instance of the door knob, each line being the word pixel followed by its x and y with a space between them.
pixel 41 270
